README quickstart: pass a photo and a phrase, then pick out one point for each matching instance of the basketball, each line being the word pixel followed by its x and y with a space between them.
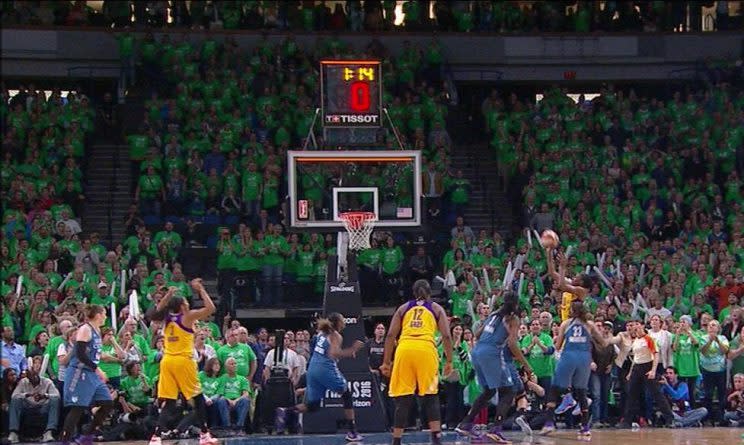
pixel 549 239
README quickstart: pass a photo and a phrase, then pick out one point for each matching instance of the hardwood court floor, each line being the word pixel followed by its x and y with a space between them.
pixel 649 436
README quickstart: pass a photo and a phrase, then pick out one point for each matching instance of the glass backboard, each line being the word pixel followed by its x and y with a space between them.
pixel 324 184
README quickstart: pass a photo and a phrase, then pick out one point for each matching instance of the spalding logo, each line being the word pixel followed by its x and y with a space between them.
pixel 342 287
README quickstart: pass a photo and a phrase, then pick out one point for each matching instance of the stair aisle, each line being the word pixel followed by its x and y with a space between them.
pixel 108 196
pixel 489 207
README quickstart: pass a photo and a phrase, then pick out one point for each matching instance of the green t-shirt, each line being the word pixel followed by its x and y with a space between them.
pixel 233 387
pixel 737 364
pixel 112 369
pixel 137 389
pixel 150 186
pixel 392 258
pixel 370 258
pixel 137 146
pixel 251 184
pixel 542 364
pixel 687 356
pixel 460 303
pixel 459 193
pixel 243 355
pixel 305 265
pixel 126 44
pixel 273 248
pixel 210 385
pixel 225 254
pixel 51 352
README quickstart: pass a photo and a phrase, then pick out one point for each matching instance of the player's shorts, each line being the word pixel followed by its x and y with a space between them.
pixel 415 369
pixel 321 379
pixel 83 387
pixel 517 384
pixel 573 370
pixel 491 371
pixel 178 375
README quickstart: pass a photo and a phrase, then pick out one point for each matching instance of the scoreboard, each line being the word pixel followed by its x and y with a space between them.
pixel 351 93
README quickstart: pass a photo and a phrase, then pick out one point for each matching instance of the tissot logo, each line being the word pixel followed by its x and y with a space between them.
pixel 352 118
pixel 342 287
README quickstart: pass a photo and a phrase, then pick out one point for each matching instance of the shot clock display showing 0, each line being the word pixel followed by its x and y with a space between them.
pixel 351 93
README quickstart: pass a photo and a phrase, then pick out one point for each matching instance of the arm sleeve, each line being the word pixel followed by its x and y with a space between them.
pixel 81 350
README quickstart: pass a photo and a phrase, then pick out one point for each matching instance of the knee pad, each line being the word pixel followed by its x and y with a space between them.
pixel 313 406
pixel 347 399
pixel 430 405
pixel 402 408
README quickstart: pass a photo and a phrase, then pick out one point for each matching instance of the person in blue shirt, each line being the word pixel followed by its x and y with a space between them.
pixel 13 354
pixel 678 395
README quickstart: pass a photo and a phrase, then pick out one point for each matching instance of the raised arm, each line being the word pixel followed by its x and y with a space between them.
pixel 564 284
pixel 163 303
pixel 207 310
pixel 551 264
pixel 596 335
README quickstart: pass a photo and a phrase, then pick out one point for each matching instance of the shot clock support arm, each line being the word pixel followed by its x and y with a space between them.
pixel 311 133
pixel 395 130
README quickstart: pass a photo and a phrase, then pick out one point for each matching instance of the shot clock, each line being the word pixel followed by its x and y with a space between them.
pixel 351 93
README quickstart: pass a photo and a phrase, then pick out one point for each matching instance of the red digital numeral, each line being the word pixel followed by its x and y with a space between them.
pixel 360 96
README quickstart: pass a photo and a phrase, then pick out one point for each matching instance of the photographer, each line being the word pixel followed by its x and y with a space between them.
pixel 734 414
pixel 528 413
pixel 34 394
pixel 678 395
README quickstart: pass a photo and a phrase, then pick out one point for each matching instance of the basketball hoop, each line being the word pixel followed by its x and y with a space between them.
pixel 359 225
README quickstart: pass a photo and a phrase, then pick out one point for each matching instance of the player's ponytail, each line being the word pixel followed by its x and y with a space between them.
pixel 421 290
pixel 325 325
pixel 331 323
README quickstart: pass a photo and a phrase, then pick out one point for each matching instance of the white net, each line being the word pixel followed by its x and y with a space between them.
pixel 359 225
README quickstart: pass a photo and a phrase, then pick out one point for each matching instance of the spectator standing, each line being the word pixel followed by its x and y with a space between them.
pixel 642 377
pixel 602 363
pixel 538 348
pixel 686 355
pixel 713 366
pixel 663 339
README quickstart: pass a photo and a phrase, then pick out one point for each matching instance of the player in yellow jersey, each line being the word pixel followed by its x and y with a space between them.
pixel 573 289
pixel 416 365
pixel 178 370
